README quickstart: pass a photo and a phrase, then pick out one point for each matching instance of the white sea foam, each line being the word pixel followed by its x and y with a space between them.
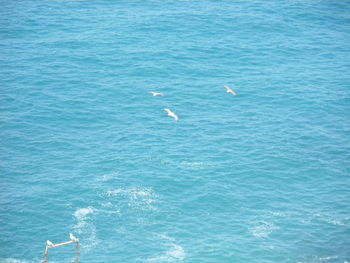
pixel 13 260
pixel 318 259
pixel 336 222
pixel 107 177
pixel 323 259
pixel 109 208
pixel 85 228
pixel 141 198
pixel 194 164
pixel 174 253
pixel 107 204
pixel 177 253
pixel 277 214
pixel 263 229
pixel 331 220
pixel 327 258
pixel 83 212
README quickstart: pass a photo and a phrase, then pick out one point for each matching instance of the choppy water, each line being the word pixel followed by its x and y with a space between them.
pixel 258 177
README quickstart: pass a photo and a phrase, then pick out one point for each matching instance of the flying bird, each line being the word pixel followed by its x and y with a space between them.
pixel 73 238
pixel 49 243
pixel 172 114
pixel 157 93
pixel 229 90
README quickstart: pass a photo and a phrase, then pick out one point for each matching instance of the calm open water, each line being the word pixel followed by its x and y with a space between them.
pixel 263 176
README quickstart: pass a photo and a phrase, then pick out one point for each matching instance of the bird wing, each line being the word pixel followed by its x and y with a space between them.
pixel 172 114
pixel 228 89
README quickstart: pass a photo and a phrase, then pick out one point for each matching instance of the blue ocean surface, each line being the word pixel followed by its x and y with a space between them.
pixel 261 177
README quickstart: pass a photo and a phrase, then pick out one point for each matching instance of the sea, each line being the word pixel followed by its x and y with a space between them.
pixel 262 176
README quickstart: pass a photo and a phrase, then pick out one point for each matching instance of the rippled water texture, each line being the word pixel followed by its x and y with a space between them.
pixel 85 148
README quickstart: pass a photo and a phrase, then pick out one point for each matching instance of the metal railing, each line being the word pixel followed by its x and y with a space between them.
pixel 49 245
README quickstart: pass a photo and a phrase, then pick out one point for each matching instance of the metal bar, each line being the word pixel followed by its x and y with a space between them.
pixel 77 253
pixel 46 255
pixel 62 244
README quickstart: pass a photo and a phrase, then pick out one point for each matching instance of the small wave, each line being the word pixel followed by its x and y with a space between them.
pixel 277 214
pixel 184 164
pixel 193 164
pixel 133 193
pixel 331 220
pixel 318 259
pixel 336 222
pixel 327 258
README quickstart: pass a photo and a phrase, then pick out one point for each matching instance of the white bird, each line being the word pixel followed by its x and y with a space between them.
pixel 229 90
pixel 172 114
pixel 73 238
pixel 49 243
pixel 157 93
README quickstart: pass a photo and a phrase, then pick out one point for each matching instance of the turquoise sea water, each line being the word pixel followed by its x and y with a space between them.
pixel 263 176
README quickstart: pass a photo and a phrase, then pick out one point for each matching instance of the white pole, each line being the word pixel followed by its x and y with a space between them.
pixel 64 243
pixel 77 253
pixel 46 254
